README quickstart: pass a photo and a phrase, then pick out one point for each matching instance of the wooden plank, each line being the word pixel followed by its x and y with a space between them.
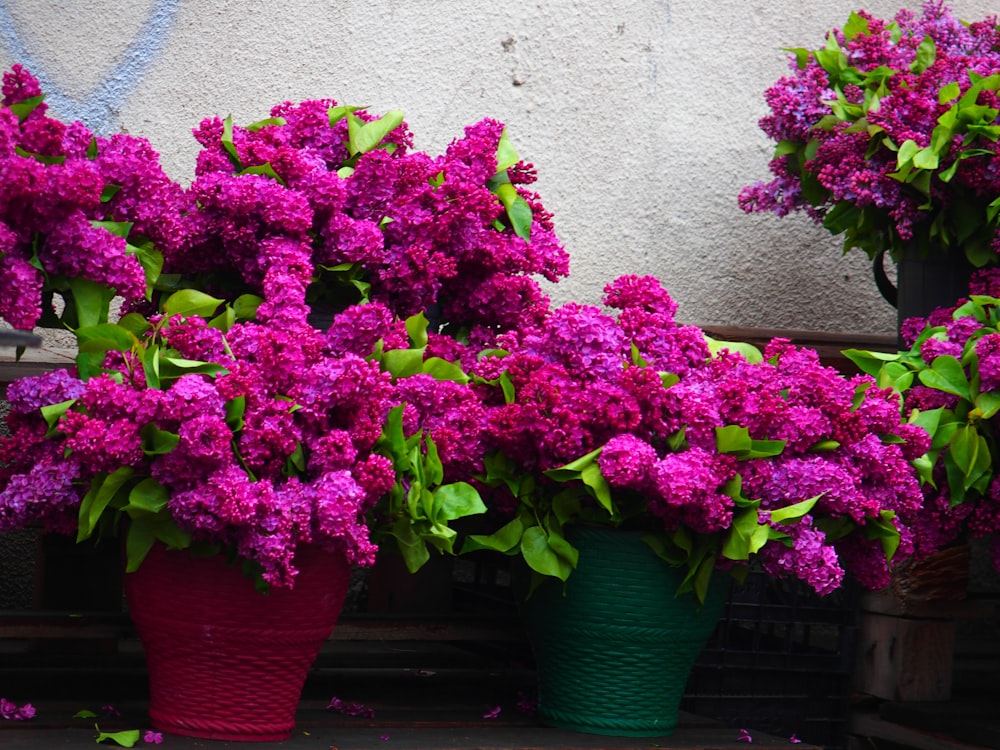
pixel 869 725
pixel 905 658
pixel 42 624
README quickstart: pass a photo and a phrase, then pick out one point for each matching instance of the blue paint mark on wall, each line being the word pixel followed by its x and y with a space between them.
pixel 99 110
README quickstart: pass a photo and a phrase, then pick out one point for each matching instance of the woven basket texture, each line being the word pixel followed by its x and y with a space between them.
pixel 614 654
pixel 225 661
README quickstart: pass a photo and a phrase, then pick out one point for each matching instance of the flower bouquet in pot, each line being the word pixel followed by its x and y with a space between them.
pixel 887 135
pixel 209 421
pixel 949 379
pixel 621 440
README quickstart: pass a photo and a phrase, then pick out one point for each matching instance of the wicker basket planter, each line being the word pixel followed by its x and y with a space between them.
pixel 614 654
pixel 225 661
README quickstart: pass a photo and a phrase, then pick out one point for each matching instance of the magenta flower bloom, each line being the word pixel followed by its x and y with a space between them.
pixel 12 712
pixel 628 420
pixel 860 146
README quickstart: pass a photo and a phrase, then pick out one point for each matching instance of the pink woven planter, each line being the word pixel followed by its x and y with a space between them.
pixel 225 661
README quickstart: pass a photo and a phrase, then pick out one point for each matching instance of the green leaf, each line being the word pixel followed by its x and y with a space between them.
pixel 227 142
pixel 504 539
pixel 147 497
pixel 741 540
pixel 564 549
pixel 444 370
pixel 855 25
pixel 117 228
pixel 41 158
pixel 750 352
pixel 175 367
pixel 540 555
pixel 156 442
pixel 411 547
pixel 507 386
pixel 224 320
pixel 416 330
pixel 928 420
pixel 906 152
pixel 151 261
pixel 566 506
pixel 25 107
pixel 883 529
pixel 591 477
pixel 402 363
pixel 735 440
pixel 84 714
pixel 52 413
pixel 458 500
pixel 338 113
pixel 925 158
pixel 105 337
pixel 369 135
pixel 948 92
pixel 97 499
pixel 264 170
pixel 260 124
pixel 801 56
pixel 988 403
pixel 506 154
pixel 235 408
pixel 946 374
pixel 126 738
pixel 245 306
pixel 518 210
pixel 433 470
pixel 794 512
pixel 134 323
pixel 166 531
pixel 926 52
pixel 191 302
pixel 151 367
pixel 573 468
pixel 91 301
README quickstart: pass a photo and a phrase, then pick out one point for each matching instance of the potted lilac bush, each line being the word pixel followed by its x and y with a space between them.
pixel 614 430
pixel 948 379
pixel 208 420
pixel 886 135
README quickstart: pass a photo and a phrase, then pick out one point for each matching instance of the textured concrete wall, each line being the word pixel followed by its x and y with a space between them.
pixel 641 115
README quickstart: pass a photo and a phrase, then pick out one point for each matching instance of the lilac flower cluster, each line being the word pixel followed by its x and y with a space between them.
pixel 214 411
pixel 12 712
pixel 227 478
pixel 961 499
pixel 849 122
pixel 61 186
pixel 417 232
pixel 644 392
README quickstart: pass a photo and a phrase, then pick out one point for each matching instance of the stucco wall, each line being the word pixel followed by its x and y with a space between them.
pixel 641 116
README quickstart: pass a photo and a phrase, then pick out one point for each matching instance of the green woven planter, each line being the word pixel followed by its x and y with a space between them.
pixel 614 654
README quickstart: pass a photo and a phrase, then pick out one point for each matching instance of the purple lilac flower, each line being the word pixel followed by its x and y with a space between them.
pixel 688 492
pixel 988 352
pixel 809 557
pixel 12 712
pixel 626 461
pixel 849 166
pixel 351 708
pixel 45 494
pixel 419 230
pixel 56 177
pixel 32 392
